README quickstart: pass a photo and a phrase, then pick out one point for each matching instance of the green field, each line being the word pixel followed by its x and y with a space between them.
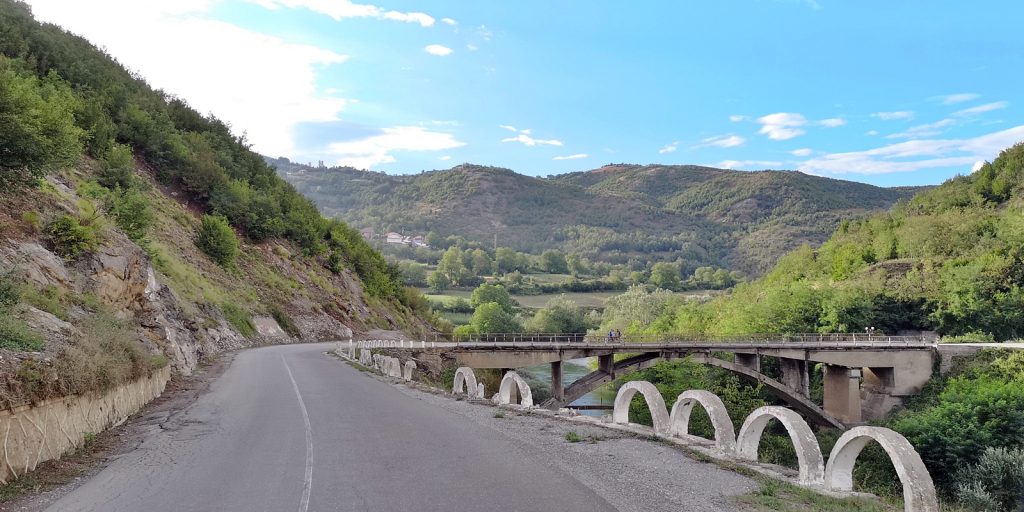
pixel 585 300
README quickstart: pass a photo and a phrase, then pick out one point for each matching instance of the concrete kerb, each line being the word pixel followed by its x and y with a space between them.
pixel 655 402
pixel 504 394
pixel 679 419
pixel 808 453
pixel 918 488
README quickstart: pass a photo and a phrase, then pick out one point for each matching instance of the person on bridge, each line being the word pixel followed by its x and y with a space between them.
pixel 618 335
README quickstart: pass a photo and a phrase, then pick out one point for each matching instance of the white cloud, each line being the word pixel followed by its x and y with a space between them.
pixel 445 158
pixel 802 152
pixel 737 118
pixel 436 49
pixel 924 130
pixel 377 149
pixel 524 137
pixel 341 9
pixel 832 122
pixel 219 67
pixel 980 109
pixel 951 99
pixel 723 141
pixel 449 21
pixel 577 156
pixel 743 164
pixel 669 148
pixel 916 155
pixel 472 47
pixel 894 116
pixel 871 133
pixel 977 166
pixel 484 33
pixel 782 125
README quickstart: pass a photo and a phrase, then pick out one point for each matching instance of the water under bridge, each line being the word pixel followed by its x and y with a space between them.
pixel 864 376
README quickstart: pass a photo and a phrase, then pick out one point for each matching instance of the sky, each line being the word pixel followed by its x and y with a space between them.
pixel 889 93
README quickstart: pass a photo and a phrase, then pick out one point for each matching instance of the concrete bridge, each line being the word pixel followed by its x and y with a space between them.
pixel 865 376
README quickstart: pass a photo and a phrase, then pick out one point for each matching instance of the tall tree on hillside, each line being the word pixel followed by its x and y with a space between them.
pixel 665 275
pixel 451 267
pixel 553 262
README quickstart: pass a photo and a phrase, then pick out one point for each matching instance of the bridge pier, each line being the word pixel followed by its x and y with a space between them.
pixel 752 361
pixel 606 364
pixel 557 389
pixel 842 393
pixel 795 375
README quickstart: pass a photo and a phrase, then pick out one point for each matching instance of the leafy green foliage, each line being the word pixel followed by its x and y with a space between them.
pixel 285 322
pixel 995 483
pixel 117 167
pixel 491 317
pixel 15 335
pixel 487 293
pixel 217 240
pixel 559 315
pixel 70 238
pixel 132 213
pixel 37 129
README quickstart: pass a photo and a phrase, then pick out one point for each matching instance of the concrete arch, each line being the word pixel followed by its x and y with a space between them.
pixel 808 453
pixel 655 402
pixel 679 419
pixel 504 395
pixel 410 365
pixel 464 382
pixel 918 488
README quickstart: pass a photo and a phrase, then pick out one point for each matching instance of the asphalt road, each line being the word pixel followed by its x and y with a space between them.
pixel 288 428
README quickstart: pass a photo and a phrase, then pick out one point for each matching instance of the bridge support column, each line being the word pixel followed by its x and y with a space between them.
pixel 794 375
pixel 606 364
pixel 557 390
pixel 514 393
pixel 842 393
pixel 752 361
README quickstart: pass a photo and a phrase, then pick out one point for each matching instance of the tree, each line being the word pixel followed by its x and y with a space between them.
pixel 577 266
pixel 437 282
pixel 492 293
pixel 509 260
pixel 130 209
pixel 117 167
pixel 491 317
pixel 217 240
pixel 451 267
pixel 553 262
pixel 559 315
pixel 37 125
pixel 481 263
pixel 665 275
pixel 413 273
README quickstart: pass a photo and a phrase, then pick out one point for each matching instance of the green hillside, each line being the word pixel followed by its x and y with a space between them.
pixel 701 215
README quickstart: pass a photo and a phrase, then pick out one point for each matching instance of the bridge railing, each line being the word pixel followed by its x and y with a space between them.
pixel 838 339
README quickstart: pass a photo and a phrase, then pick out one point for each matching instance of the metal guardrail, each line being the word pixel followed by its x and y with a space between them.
pixel 688 340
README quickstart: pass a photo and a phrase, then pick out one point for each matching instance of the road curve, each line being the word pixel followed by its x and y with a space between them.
pixel 288 428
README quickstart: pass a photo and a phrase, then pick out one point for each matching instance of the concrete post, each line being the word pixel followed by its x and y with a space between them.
pixel 514 392
pixel 842 393
pixel 752 361
pixel 557 390
pixel 794 375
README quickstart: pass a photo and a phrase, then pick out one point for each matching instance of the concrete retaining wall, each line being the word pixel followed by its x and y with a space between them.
pixel 48 430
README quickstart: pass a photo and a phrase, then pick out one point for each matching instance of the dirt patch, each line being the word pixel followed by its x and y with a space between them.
pixel 54 479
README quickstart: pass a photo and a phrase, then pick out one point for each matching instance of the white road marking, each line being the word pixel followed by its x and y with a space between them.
pixel 307 484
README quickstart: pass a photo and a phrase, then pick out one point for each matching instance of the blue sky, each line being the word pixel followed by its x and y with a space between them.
pixel 890 93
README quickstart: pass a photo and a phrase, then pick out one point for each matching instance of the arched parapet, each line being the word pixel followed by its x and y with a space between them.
pixel 465 382
pixel 808 453
pixel 655 402
pixel 918 488
pixel 679 419
pixel 504 395
pixel 410 366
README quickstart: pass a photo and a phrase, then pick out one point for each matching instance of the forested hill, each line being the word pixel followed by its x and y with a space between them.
pixel 949 260
pixel 704 216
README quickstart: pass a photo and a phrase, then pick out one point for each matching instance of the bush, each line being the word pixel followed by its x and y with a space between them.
pixel 286 322
pixel 70 238
pixel 10 290
pixel 217 240
pixel 33 221
pixel 995 483
pixel 16 335
pixel 132 213
pixel 50 299
pixel 108 354
pixel 239 319
pixel 117 168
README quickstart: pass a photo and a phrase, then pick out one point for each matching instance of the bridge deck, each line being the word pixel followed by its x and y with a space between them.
pixel 682 346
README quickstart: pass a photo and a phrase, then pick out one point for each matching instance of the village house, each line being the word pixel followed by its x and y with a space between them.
pixel 367 233
pixel 394 238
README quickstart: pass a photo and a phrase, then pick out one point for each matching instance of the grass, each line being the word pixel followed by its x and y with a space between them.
pixel 573 437
pixel 50 299
pixel 239 319
pixel 15 335
pixel 499 414
pixel 773 495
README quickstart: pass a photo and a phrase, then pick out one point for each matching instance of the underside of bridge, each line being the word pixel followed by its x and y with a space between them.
pixel 859 385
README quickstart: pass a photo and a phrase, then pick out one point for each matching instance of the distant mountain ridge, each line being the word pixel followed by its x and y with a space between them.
pixel 706 216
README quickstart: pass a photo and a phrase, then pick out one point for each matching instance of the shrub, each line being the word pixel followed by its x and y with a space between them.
pixel 217 240
pixel 33 221
pixel 70 238
pixel 132 213
pixel 239 319
pixel 995 483
pixel 16 335
pixel 108 354
pixel 117 167
pixel 10 291
pixel 286 322
pixel 50 299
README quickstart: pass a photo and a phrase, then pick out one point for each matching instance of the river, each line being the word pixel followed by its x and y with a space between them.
pixel 539 378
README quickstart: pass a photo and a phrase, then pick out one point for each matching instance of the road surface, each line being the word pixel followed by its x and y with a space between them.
pixel 289 428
